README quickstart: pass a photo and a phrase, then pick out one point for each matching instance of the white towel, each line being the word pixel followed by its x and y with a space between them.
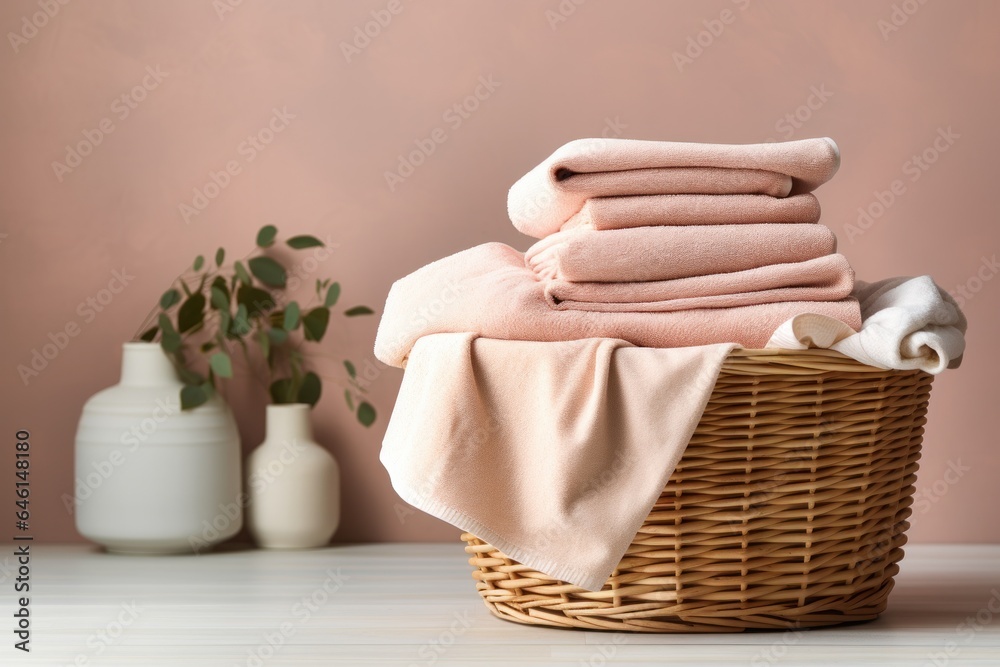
pixel 907 323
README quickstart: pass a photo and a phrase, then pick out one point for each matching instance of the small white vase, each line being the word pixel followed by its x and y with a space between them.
pixel 151 478
pixel 294 484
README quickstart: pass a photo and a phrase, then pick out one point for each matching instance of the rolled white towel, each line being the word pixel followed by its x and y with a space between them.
pixel 906 324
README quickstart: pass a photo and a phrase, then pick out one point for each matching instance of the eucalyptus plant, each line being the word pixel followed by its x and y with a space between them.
pixel 217 309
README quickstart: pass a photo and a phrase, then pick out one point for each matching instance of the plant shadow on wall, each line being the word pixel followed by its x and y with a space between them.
pixel 217 310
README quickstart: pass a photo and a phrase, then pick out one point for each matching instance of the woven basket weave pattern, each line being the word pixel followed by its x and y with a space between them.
pixel 788 509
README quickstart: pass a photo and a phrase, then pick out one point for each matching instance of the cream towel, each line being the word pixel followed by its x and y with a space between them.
pixel 554 453
pixel 909 323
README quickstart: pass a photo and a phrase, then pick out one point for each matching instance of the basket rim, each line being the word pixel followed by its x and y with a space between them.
pixel 767 361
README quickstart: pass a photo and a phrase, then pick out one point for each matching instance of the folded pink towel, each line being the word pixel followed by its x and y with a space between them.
pixel 488 290
pixel 650 210
pixel 556 452
pixel 663 253
pixel 828 278
pixel 551 193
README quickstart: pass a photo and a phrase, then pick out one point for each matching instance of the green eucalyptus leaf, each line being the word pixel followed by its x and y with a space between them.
pixel 349 399
pixel 166 326
pixel 256 300
pixel 170 343
pixel 170 298
pixel 281 391
pixel 192 396
pixel 311 389
pixel 149 334
pixel 220 300
pixel 332 295
pixel 220 284
pixel 291 316
pixel 265 237
pixel 350 368
pixel 304 241
pixel 220 256
pixel 359 310
pixel 268 271
pixel 241 273
pixel 170 340
pixel 315 322
pixel 225 322
pixel 241 322
pixel 199 262
pixel 277 336
pixel 265 345
pixel 366 413
pixel 221 365
pixel 190 377
pixel 192 313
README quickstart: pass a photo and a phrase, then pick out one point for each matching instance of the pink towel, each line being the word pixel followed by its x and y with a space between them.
pixel 623 212
pixel 828 278
pixel 488 290
pixel 663 253
pixel 555 453
pixel 551 193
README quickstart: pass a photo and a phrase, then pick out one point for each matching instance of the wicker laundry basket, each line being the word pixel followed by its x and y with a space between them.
pixel 788 509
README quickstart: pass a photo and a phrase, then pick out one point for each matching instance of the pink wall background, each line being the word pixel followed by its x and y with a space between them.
pixel 883 82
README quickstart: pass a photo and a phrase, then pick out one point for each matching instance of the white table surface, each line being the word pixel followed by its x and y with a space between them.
pixel 415 604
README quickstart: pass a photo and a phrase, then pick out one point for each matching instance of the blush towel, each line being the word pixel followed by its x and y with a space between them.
pixel 909 323
pixel 664 253
pixel 542 200
pixel 555 452
pixel 489 290
pixel 827 278
pixel 644 211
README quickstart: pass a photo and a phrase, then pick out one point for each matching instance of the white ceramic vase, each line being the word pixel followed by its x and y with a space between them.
pixel 293 484
pixel 151 478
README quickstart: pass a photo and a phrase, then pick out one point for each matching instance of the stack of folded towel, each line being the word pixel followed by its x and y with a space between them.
pixel 652 226
pixel 530 377
pixel 661 244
